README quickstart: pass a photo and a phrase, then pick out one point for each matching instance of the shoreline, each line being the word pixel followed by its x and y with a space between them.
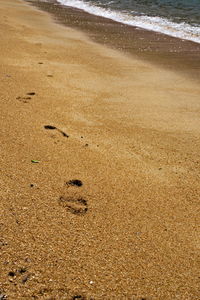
pixel 154 47
pixel 149 22
pixel 99 176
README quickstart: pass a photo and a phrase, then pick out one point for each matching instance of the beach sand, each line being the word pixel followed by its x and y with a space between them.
pixel 127 131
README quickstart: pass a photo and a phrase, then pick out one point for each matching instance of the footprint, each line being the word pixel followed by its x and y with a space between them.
pixel 76 297
pixel 23 99
pixel 51 293
pixel 19 275
pixel 74 182
pixel 77 206
pixel 50 127
pixel 31 93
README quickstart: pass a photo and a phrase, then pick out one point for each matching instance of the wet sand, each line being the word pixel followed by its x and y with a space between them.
pixel 166 51
pixel 99 168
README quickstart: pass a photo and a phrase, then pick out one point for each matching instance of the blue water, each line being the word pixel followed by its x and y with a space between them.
pixel 180 18
pixel 175 10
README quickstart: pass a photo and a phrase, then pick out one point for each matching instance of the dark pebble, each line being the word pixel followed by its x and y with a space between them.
pixel 76 182
pixel 12 274
pixel 22 270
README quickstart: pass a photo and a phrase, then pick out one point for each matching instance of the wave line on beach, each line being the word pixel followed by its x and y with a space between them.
pixel 157 24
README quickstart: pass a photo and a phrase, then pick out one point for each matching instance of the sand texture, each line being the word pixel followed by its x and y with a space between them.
pixel 99 168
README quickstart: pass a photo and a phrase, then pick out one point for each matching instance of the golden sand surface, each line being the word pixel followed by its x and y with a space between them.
pixel 128 132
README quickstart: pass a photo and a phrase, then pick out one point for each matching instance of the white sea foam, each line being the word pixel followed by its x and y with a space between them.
pixel 179 30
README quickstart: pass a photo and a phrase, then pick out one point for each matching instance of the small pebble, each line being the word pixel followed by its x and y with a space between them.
pixel 12 274
pixel 22 270
pixel 76 182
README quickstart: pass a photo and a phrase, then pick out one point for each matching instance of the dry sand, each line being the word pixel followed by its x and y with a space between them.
pixel 131 230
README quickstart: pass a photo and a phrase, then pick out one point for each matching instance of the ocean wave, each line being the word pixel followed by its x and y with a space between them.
pixel 158 24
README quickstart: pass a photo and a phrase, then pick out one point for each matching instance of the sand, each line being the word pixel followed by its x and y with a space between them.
pixel 128 130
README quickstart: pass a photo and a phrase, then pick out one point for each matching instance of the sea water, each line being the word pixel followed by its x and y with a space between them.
pixel 178 18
